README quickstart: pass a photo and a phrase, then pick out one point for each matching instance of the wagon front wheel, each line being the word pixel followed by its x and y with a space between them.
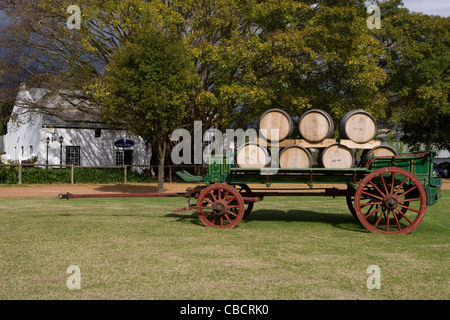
pixel 220 206
pixel 390 200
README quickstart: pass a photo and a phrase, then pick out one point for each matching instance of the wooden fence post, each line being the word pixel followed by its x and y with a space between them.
pixel 20 174
pixel 125 174
pixel 71 173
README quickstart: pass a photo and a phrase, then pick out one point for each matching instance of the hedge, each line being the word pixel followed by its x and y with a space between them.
pixel 9 175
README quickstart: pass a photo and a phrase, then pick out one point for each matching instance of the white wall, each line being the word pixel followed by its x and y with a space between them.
pixel 442 156
pixel 93 151
pixel 23 137
pixel 26 138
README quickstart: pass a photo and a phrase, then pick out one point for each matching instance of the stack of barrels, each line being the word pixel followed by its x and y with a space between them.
pixel 315 127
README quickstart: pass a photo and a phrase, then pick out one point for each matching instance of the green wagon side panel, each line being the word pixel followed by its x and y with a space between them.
pixel 420 164
pixel 433 190
pixel 218 169
pixel 296 176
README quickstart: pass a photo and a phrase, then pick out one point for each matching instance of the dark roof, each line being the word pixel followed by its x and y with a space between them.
pixel 67 109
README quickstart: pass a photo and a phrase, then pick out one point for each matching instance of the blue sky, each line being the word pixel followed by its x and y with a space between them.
pixel 436 7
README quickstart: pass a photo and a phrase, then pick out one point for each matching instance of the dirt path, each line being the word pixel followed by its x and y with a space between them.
pixel 53 190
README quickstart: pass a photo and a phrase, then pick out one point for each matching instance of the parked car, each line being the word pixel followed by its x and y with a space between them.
pixel 439 172
pixel 445 166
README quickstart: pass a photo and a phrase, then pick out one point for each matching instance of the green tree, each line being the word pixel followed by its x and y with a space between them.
pixel 249 56
pixel 344 75
pixel 417 60
pixel 147 87
pixel 295 55
pixel 252 55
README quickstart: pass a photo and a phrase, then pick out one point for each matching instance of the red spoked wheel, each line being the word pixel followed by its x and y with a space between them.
pixel 390 200
pixel 220 206
pixel 351 200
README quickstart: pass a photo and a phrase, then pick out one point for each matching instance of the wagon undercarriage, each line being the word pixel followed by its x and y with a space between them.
pixel 389 195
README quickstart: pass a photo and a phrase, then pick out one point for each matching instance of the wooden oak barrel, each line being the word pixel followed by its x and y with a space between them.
pixel 379 151
pixel 275 119
pixel 316 125
pixel 358 126
pixel 252 155
pixel 295 157
pixel 337 156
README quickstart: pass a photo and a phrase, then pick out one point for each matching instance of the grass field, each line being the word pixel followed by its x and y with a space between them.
pixel 288 248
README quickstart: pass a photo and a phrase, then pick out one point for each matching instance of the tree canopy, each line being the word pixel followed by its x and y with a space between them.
pixel 147 86
pixel 249 56
pixel 417 60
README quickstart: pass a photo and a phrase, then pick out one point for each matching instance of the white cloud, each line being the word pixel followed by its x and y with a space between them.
pixel 436 7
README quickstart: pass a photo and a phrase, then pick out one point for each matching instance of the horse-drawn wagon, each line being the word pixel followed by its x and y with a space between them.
pixel 389 194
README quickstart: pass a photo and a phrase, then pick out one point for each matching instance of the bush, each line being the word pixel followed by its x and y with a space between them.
pixel 9 175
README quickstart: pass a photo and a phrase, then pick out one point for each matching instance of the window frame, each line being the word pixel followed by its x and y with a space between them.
pixel 70 157
pixel 120 153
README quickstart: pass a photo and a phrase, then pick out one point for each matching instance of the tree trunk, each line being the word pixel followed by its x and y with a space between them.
pixel 161 157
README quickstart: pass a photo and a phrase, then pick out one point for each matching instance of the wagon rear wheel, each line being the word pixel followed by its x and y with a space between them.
pixel 351 207
pixel 351 202
pixel 220 206
pixel 390 200
pixel 244 189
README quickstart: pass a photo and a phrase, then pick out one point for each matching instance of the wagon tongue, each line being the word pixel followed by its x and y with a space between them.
pixel 120 195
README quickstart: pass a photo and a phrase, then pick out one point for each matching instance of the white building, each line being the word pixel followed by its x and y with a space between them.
pixel 59 133
pixel 442 156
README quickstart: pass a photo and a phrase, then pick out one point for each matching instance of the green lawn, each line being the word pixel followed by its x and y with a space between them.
pixel 288 248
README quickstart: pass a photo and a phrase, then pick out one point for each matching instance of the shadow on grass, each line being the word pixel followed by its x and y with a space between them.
pixel 126 188
pixel 341 221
